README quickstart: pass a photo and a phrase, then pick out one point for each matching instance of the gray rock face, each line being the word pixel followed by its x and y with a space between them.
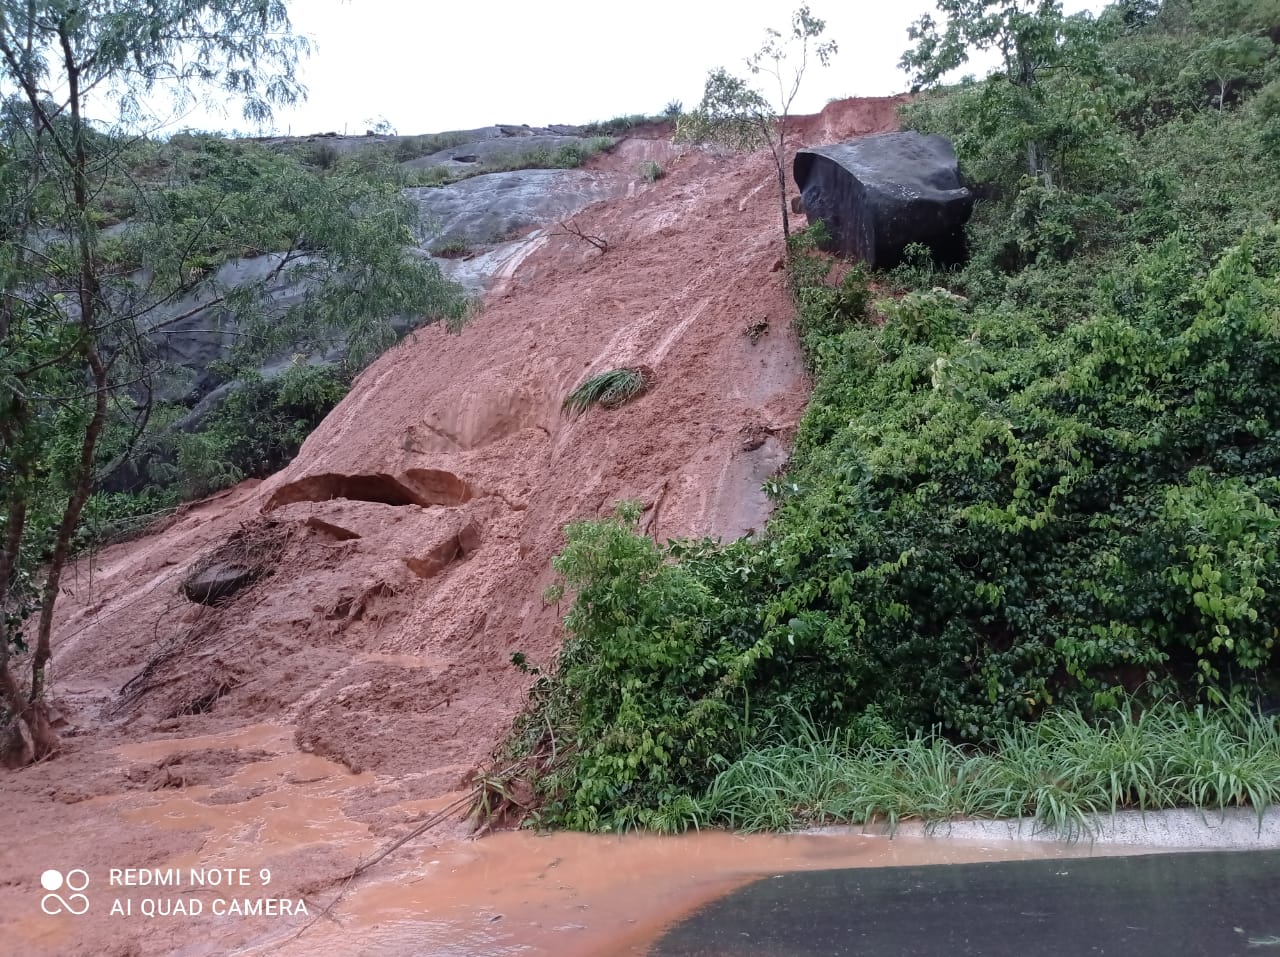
pixel 489 216
pixel 194 333
pixel 492 208
pixel 880 193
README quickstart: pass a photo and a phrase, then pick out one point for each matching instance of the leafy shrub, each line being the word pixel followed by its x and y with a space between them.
pixel 412 147
pixel 569 156
pixel 616 126
pixel 1045 485
pixel 651 171
pixel 257 430
pixel 635 704
pixel 323 156
pixel 823 308
pixel 451 249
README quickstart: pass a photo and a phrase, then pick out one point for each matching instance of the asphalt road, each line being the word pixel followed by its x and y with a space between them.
pixel 1162 905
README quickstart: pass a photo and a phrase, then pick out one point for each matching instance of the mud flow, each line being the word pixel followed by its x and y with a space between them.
pixel 278 825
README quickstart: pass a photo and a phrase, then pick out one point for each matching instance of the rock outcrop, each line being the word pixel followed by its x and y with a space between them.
pixel 879 194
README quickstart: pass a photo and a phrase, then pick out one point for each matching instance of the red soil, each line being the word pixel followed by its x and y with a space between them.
pixel 414 533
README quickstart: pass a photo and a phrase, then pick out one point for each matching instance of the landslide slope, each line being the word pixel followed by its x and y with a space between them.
pixel 401 558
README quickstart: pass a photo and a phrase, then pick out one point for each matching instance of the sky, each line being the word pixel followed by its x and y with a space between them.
pixel 428 67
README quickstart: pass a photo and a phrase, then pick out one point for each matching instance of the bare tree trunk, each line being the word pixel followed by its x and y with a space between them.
pixel 15 749
pixel 778 148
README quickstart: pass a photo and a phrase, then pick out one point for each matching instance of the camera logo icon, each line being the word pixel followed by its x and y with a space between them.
pixel 75 881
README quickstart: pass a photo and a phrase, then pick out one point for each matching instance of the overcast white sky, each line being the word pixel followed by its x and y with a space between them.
pixel 428 66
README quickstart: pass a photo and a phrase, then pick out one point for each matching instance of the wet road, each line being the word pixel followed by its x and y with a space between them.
pixel 1163 905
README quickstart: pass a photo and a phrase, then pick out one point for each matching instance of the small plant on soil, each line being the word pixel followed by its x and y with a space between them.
pixel 756 330
pixel 609 389
pixel 454 248
pixel 651 171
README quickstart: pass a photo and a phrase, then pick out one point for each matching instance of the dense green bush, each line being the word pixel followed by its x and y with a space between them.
pixel 255 432
pixel 1049 479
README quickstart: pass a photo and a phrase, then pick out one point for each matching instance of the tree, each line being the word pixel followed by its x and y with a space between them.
pixel 1027 34
pixel 1228 59
pixel 735 114
pixel 56 57
pixel 79 309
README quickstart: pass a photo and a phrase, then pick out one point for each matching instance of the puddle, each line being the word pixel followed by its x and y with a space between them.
pixel 288 803
pixel 260 736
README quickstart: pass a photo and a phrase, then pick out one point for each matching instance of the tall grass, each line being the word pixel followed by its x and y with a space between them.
pixel 618 125
pixel 609 389
pixel 1061 772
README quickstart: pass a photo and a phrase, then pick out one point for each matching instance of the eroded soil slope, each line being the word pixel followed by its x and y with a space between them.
pixel 403 554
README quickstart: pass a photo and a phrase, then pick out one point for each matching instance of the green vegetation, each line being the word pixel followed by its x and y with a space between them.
pixel 570 156
pixel 652 171
pixel 412 147
pixel 255 432
pixel 608 389
pixel 1026 493
pixel 618 125
pixel 1060 772
pixel 454 248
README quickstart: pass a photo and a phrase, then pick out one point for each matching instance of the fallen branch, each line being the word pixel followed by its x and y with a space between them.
pixel 472 797
pixel 570 228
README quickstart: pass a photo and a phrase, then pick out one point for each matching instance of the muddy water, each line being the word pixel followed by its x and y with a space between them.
pixel 254 801
pixel 578 895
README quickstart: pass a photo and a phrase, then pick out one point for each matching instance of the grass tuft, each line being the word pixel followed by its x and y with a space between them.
pixel 609 389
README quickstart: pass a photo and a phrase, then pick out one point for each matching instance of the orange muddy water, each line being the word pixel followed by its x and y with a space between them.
pixel 287 826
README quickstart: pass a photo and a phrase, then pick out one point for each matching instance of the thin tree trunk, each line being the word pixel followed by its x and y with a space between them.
pixel 15 750
pixel 43 738
pixel 782 194
pixel 11 694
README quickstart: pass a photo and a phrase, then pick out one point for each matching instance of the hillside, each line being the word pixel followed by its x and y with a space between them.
pixel 986 526
pixel 410 540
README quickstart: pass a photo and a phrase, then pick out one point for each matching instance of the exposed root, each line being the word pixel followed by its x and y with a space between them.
pixel 251 553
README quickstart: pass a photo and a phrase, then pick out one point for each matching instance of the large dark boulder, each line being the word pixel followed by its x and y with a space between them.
pixel 880 193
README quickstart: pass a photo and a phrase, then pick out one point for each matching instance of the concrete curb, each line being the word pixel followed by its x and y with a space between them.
pixel 1182 828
